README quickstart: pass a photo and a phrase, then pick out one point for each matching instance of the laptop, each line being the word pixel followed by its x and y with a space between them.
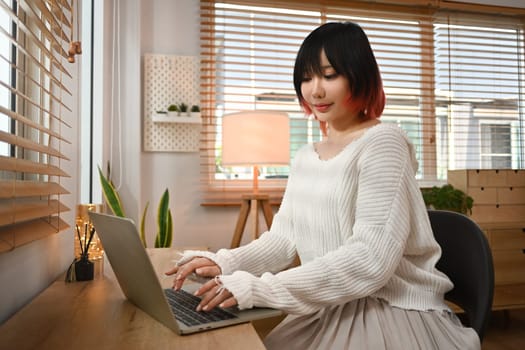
pixel 139 282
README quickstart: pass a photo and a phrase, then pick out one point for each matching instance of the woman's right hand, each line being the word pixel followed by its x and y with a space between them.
pixel 201 266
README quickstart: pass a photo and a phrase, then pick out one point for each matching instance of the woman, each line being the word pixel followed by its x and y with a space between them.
pixel 353 213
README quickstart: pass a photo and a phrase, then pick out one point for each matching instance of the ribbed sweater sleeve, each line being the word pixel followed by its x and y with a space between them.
pixel 273 251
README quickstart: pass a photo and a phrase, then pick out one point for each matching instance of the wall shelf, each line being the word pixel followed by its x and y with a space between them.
pixel 164 118
pixel 170 79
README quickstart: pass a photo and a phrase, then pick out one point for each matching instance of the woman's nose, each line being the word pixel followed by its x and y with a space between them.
pixel 317 88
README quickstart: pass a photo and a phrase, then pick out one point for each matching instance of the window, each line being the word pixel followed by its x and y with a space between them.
pixel 496 146
pixel 5 76
pixel 91 91
pixel 446 75
pixel 33 108
pixel 247 64
pixel 479 83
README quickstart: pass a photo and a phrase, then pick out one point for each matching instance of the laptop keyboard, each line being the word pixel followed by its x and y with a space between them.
pixel 183 305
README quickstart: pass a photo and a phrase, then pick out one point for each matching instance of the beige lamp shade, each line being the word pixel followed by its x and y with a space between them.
pixel 255 138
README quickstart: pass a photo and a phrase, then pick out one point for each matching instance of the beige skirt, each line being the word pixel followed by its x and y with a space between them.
pixel 372 324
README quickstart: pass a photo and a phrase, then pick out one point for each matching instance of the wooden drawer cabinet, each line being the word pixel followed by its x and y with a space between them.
pixel 478 178
pixel 508 251
pixel 499 195
pixel 507 239
pixel 508 267
pixel 507 243
pixel 515 178
pixel 483 195
pixel 497 213
pixel 499 209
pixel 511 195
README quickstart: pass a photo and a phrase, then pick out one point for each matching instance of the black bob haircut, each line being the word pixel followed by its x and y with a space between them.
pixel 348 50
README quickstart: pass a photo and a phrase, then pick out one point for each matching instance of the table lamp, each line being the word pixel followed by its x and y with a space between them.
pixel 255 138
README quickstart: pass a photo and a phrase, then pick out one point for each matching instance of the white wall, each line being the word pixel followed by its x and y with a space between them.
pixel 127 179
pixel 172 27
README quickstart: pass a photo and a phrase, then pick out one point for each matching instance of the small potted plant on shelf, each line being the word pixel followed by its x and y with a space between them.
pixel 160 115
pixel 195 111
pixel 173 110
pixel 183 108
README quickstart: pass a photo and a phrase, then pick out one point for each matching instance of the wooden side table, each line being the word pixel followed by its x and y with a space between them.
pixel 250 205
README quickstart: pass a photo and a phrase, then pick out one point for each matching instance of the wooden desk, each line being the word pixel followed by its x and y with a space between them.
pixel 96 315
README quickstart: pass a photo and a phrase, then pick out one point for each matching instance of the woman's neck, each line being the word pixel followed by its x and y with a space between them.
pixel 338 139
pixel 343 135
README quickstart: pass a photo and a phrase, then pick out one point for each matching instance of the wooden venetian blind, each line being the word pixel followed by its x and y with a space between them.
pixel 439 67
pixel 480 81
pixel 35 37
pixel 247 56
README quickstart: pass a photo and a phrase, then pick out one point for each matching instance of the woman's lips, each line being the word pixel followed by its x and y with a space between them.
pixel 322 107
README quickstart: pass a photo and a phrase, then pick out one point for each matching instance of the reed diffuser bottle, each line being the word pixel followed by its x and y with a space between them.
pixel 84 268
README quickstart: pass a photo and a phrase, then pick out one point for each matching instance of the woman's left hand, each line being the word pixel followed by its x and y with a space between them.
pixel 214 294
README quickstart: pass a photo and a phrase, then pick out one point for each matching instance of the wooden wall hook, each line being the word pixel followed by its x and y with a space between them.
pixel 75 48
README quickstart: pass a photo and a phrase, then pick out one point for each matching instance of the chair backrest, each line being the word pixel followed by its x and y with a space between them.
pixel 467 260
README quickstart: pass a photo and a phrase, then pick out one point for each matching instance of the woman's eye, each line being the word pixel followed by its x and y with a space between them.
pixel 306 79
pixel 330 76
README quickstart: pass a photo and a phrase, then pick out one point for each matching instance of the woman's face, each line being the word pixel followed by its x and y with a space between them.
pixel 328 95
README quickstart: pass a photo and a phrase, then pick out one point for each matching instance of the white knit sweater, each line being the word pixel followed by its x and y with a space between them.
pixel 359 225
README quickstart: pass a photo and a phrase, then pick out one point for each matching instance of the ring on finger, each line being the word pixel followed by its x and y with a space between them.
pixel 219 284
pixel 217 281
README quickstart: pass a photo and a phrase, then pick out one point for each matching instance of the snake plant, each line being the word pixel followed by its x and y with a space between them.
pixel 111 195
pixel 164 235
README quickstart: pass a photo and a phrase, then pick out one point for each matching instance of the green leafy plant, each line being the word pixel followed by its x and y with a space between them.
pixel 447 197
pixel 110 194
pixel 183 108
pixel 173 108
pixel 195 109
pixel 164 235
pixel 143 226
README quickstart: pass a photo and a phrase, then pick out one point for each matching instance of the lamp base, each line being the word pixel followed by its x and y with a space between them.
pixel 250 205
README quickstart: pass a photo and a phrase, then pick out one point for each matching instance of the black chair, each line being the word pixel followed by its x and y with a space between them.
pixel 467 260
